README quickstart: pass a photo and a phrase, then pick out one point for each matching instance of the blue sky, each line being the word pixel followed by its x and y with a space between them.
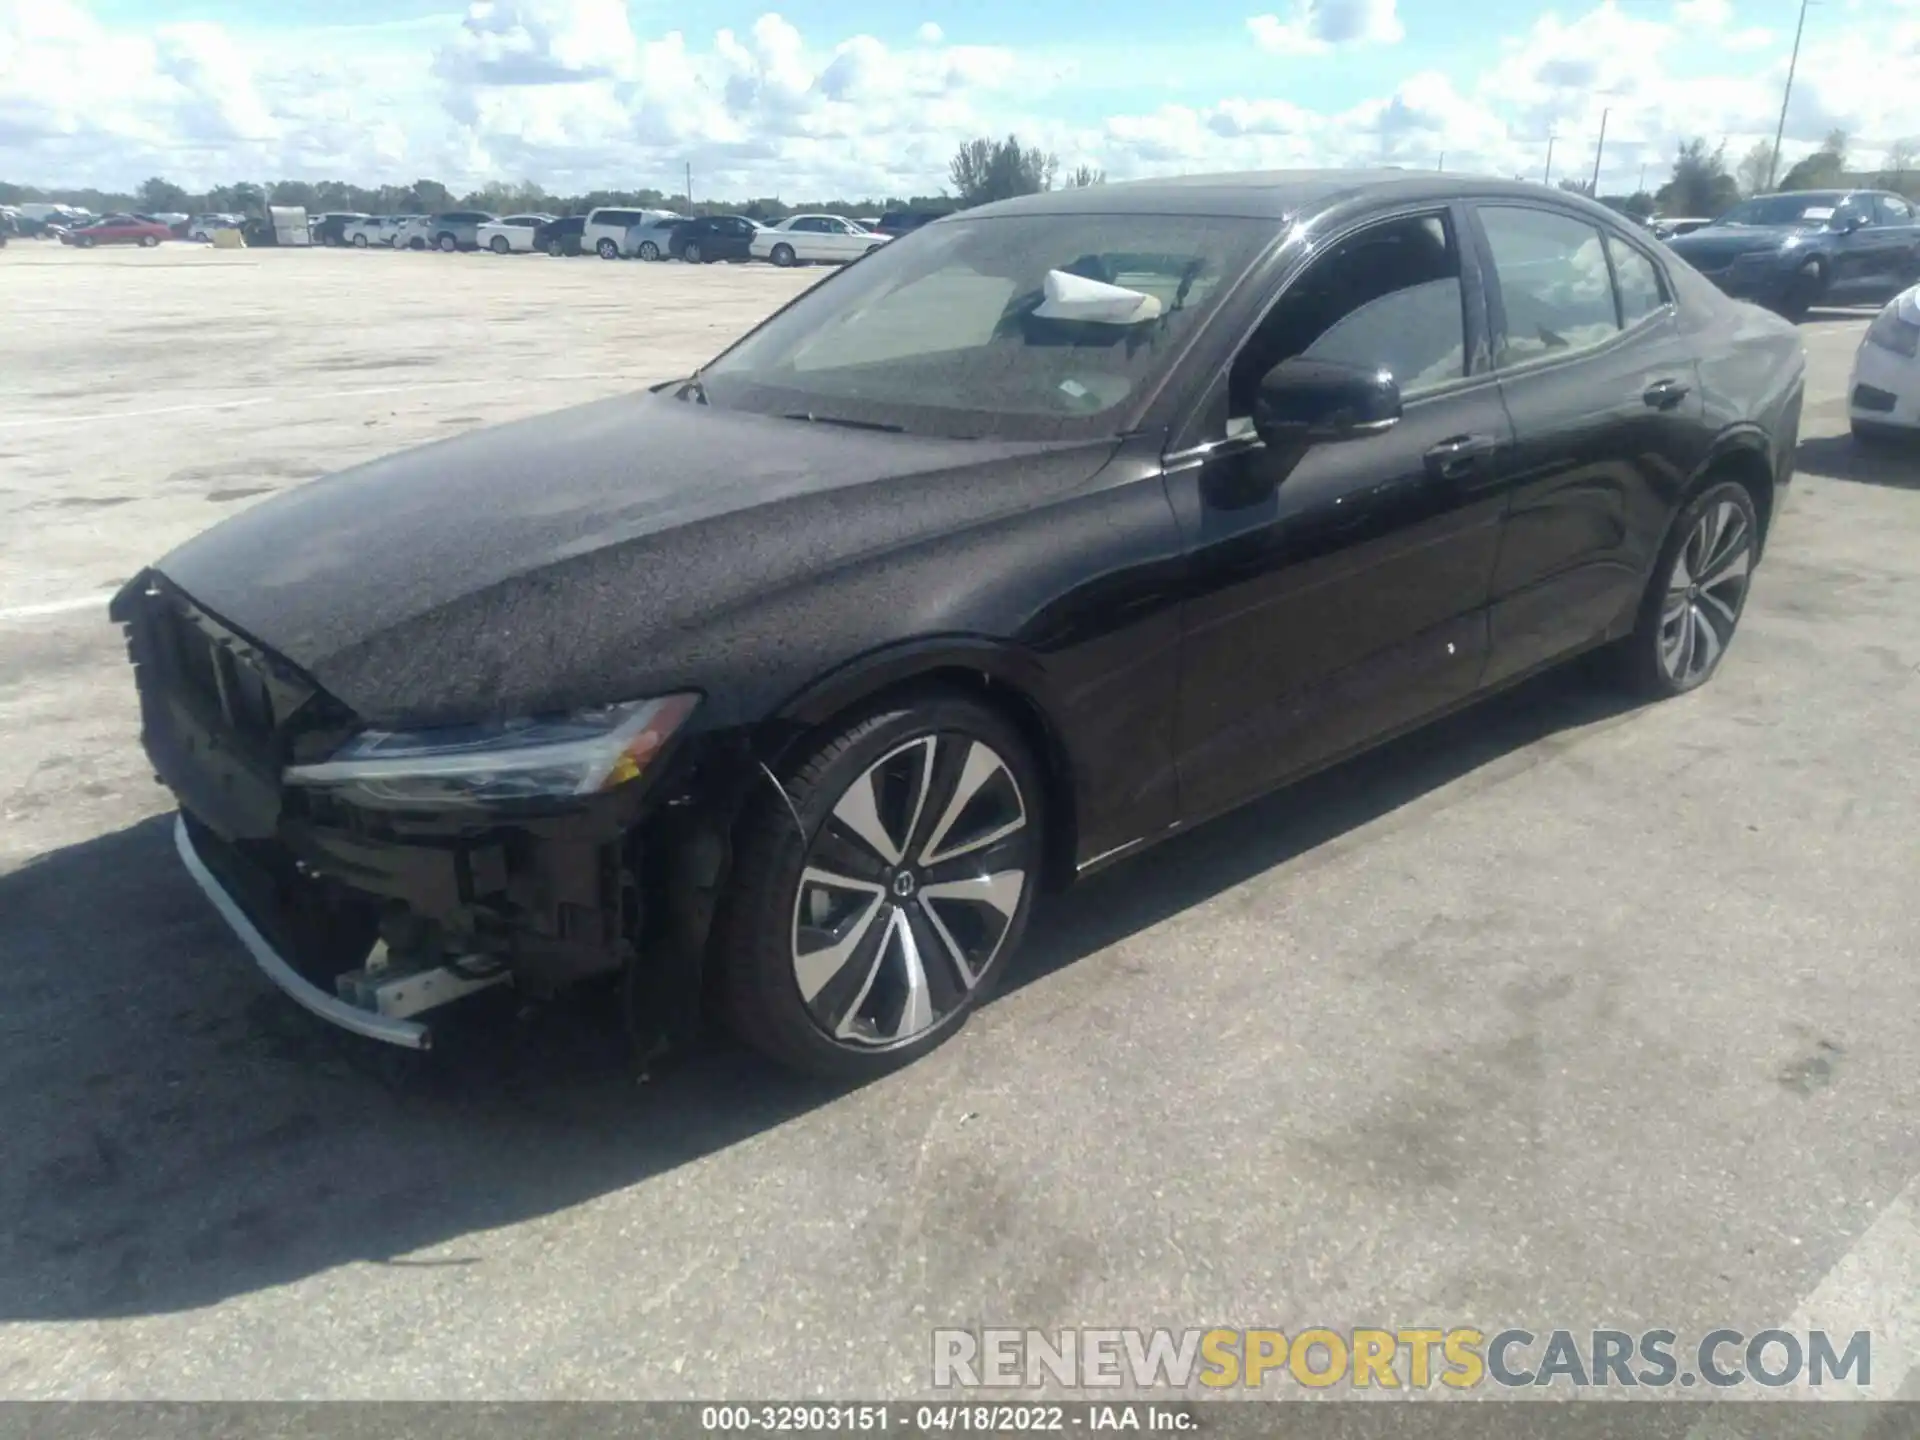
pixel 823 96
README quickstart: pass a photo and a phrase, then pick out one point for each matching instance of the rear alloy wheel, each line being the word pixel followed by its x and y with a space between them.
pixel 147 242
pixel 862 937
pixel 1698 593
pixel 692 253
pixel 499 245
pixel 360 242
pixel 608 250
pixel 648 250
pixel 447 243
pixel 782 255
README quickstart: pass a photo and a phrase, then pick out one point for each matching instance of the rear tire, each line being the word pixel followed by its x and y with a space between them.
pixel 83 242
pixel 1697 594
pixel 862 937
pixel 360 242
pixel 782 256
pixel 147 242
pixel 499 245
pixel 446 243
pixel 691 254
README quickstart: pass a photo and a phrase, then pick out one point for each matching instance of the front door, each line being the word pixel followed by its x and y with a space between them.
pixel 1338 595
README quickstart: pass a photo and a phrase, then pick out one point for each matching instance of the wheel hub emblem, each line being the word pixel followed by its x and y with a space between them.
pixel 903 884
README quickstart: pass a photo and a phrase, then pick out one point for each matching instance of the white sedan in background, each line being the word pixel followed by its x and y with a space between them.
pixel 815 239
pixel 1883 397
pixel 510 233
pixel 374 230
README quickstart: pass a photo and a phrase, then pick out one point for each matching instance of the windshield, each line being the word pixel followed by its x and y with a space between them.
pixel 1807 209
pixel 1033 327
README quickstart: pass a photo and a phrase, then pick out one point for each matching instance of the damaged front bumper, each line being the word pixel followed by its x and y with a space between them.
pixel 356 1017
pixel 369 918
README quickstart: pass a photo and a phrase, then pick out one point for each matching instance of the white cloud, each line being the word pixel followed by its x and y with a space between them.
pixel 1317 26
pixel 580 94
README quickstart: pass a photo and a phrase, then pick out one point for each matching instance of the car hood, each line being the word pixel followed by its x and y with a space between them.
pixel 1716 242
pixel 580 557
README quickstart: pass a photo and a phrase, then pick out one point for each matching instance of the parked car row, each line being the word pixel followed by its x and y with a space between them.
pixel 620 233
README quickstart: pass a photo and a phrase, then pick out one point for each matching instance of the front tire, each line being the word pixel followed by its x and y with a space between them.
pixel 1697 594
pixel 147 242
pixel 861 937
pixel 648 250
pixel 446 243
pixel 783 256
pixel 1804 291
pixel 499 245
pixel 607 250
pixel 360 242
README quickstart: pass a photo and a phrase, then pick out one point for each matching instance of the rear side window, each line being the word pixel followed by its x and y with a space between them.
pixel 1638 280
pixel 1893 210
pixel 617 217
pixel 1554 284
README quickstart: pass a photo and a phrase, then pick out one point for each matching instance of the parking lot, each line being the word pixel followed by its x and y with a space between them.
pixel 1560 1015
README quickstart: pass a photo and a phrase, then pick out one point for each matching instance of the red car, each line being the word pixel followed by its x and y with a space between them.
pixel 119 230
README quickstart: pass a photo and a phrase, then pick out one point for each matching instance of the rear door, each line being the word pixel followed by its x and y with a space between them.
pixel 1600 387
pixel 1898 225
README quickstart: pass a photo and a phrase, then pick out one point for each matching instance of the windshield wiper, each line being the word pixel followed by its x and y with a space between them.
pixel 842 420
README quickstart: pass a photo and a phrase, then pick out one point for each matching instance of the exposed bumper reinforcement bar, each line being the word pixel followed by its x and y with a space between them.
pixel 410 1033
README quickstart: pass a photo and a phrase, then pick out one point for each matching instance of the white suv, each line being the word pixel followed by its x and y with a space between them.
pixel 606 229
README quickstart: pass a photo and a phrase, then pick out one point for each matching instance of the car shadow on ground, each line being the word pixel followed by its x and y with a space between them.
pixel 1880 462
pixel 179 1133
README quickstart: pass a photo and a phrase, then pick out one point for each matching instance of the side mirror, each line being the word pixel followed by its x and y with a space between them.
pixel 1310 402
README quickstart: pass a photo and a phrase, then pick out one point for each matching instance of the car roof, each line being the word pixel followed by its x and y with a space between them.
pixel 1266 194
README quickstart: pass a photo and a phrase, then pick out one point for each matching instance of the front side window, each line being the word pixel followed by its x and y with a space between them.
pixel 1554 284
pixel 1893 210
pixel 1857 211
pixel 1638 281
pixel 1029 327
pixel 1386 298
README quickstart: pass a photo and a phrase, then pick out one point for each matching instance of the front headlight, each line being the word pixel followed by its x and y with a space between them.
pixel 1890 332
pixel 478 765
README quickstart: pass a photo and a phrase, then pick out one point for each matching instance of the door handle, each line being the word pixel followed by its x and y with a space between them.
pixel 1665 394
pixel 1459 455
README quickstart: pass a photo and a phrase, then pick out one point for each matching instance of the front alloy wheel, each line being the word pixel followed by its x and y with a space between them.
pixel 861 938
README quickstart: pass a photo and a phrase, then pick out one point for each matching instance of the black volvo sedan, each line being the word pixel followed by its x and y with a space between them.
pixel 780 692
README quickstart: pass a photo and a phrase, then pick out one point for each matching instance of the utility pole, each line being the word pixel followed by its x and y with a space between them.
pixel 1593 190
pixel 1786 96
pixel 1443 161
pixel 1546 177
pixel 1641 188
pixel 689 184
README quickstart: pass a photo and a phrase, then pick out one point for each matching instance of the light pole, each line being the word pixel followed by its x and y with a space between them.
pixel 1546 177
pixel 1593 190
pixel 1786 96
